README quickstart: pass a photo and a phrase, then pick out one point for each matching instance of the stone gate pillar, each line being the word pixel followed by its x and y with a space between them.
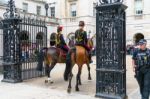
pixel 11 49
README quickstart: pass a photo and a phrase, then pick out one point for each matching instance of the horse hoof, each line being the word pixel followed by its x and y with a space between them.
pixel 89 78
pixel 51 82
pixel 77 89
pixel 69 90
pixel 46 81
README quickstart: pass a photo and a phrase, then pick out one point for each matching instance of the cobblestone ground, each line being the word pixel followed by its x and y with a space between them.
pixel 37 89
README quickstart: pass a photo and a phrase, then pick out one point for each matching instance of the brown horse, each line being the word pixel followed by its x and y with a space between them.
pixel 77 56
pixel 51 56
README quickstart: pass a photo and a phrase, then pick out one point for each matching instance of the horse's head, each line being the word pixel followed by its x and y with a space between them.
pixel 53 39
pixel 71 43
pixel 71 38
pixel 91 41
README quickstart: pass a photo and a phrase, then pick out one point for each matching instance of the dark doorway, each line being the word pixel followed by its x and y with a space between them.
pixel 24 37
pixel 39 38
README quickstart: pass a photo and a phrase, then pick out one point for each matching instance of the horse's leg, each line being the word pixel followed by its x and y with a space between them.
pixel 89 75
pixel 70 79
pixel 70 73
pixel 79 80
pixel 49 70
pixel 78 77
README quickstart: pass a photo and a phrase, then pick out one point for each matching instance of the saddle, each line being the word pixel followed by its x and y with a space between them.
pixel 62 53
pixel 59 51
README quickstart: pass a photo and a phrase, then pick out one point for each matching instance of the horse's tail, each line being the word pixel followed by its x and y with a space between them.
pixel 68 65
pixel 41 59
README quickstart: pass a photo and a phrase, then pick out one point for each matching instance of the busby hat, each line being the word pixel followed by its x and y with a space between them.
pixel 59 28
pixel 81 23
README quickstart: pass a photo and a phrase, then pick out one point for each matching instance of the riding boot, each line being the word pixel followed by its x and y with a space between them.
pixel 68 56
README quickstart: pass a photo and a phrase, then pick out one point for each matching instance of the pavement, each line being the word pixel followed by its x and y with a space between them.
pixel 37 89
pixel 25 91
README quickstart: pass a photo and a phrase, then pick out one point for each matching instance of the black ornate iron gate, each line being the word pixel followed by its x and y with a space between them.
pixel 1 45
pixel 33 37
pixel 111 57
pixel 23 37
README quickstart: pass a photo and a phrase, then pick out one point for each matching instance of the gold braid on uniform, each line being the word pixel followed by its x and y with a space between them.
pixel 79 36
pixel 57 39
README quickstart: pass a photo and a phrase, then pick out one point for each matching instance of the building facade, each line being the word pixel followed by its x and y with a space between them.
pixel 34 9
pixel 138 20
pixel 72 11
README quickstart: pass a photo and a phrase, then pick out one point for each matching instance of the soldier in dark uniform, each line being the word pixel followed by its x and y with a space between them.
pixel 60 42
pixel 81 38
pixel 141 67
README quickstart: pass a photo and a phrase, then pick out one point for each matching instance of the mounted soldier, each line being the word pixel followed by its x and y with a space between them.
pixel 81 38
pixel 78 55
pixel 56 53
pixel 60 42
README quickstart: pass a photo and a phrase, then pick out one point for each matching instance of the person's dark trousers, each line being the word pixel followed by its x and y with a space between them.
pixel 146 86
pixel 64 48
pixel 139 78
pixel 144 83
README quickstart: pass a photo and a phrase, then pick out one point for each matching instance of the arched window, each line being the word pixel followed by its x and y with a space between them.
pixel 39 38
pixel 24 37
